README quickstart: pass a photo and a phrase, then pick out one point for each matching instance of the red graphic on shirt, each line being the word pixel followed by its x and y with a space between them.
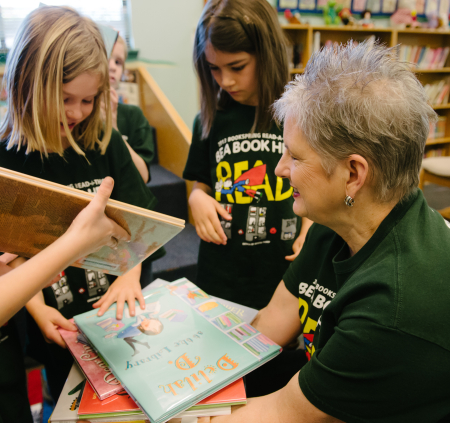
pixel 308 338
pixel 273 231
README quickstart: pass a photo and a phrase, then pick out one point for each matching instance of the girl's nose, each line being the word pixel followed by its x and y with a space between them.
pixel 227 80
pixel 74 113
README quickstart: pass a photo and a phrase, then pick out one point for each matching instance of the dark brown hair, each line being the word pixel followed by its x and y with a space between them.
pixel 233 26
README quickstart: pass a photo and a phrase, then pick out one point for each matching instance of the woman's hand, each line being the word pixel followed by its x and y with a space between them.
pixel 204 210
pixel 49 319
pixel 125 288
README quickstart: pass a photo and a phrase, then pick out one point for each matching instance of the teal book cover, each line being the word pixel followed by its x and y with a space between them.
pixel 182 348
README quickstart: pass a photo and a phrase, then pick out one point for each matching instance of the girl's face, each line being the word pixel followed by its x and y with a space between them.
pixel 78 96
pixel 235 73
pixel 116 64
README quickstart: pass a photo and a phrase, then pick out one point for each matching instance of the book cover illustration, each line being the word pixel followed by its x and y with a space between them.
pixel 96 370
pixel 35 212
pixel 66 409
pixel 168 365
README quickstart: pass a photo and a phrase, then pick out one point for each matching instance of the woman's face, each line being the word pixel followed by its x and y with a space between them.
pixel 316 195
pixel 79 95
pixel 235 73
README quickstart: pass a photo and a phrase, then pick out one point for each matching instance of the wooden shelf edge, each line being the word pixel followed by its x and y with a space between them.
pixel 439 70
pixel 434 141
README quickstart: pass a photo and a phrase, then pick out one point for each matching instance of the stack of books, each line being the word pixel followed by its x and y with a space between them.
pixel 183 356
pixel 438 92
pixel 424 57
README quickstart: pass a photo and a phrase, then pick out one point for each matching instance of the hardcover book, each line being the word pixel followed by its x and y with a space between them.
pixel 122 404
pixel 35 212
pixel 182 348
pixel 91 364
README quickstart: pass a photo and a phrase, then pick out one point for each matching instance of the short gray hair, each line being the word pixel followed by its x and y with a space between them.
pixel 360 99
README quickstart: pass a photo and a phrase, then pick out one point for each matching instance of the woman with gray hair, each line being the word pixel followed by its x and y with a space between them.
pixel 371 283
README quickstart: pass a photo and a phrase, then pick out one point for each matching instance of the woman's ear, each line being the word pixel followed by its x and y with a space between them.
pixel 358 169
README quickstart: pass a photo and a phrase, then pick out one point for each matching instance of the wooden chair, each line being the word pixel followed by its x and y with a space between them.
pixel 437 171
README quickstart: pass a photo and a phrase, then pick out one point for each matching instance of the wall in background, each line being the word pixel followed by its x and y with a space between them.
pixel 164 31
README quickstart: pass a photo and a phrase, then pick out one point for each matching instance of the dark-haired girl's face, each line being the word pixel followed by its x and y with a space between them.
pixel 235 73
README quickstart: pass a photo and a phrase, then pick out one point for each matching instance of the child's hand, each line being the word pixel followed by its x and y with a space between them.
pixel 92 229
pixel 49 319
pixel 207 224
pixel 125 288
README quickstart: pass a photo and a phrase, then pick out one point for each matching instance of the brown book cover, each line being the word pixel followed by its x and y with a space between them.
pixel 35 212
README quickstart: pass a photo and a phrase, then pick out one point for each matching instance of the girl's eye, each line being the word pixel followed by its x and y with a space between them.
pixel 88 101
pixel 119 63
pixel 238 68
pixel 213 68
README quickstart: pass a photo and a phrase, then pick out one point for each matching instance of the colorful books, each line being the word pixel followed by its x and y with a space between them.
pixel 168 366
pixel 36 212
pixel 66 409
pixel 121 404
pixel 91 364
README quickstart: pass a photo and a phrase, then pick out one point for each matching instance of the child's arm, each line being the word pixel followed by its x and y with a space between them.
pixel 90 230
pixel 48 319
pixel 298 243
pixel 204 210
pixel 138 161
pixel 125 288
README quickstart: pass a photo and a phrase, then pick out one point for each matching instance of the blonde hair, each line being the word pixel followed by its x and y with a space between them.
pixel 241 25
pixel 53 46
pixel 120 40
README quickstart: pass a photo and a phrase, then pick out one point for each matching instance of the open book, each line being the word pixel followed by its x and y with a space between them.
pixel 35 212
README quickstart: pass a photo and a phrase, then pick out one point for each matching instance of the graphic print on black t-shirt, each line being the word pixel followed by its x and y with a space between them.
pixel 236 182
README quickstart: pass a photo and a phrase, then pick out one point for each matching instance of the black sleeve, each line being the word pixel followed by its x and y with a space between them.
pixel 198 162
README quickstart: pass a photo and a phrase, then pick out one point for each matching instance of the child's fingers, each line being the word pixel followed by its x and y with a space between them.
pixel 63 323
pixel 55 337
pixel 218 231
pixel 223 212
pixel 131 304
pixel 119 304
pixel 141 300
pixel 103 193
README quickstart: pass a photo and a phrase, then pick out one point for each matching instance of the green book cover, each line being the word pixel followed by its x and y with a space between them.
pixel 182 348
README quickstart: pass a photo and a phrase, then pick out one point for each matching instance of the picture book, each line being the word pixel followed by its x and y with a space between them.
pixel 91 364
pixel 122 404
pixel 35 212
pixel 247 314
pixel 66 408
pixel 182 348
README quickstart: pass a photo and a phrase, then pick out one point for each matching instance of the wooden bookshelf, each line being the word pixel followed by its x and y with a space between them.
pixel 304 35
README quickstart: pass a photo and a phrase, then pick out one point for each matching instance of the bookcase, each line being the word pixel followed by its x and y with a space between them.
pixel 305 39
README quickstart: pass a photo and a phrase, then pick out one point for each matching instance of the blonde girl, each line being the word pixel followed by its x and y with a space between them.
pixel 242 211
pixel 56 78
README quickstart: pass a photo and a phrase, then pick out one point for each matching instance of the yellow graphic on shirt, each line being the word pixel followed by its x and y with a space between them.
pixel 245 185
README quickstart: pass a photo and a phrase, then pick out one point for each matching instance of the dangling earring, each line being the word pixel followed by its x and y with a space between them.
pixel 349 201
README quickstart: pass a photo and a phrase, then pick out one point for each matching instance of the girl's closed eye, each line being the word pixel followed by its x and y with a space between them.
pixel 238 68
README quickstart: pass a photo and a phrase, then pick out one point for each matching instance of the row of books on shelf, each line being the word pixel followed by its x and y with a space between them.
pixel 424 57
pixel 437 129
pixel 434 152
pixel 438 92
pixel 182 357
